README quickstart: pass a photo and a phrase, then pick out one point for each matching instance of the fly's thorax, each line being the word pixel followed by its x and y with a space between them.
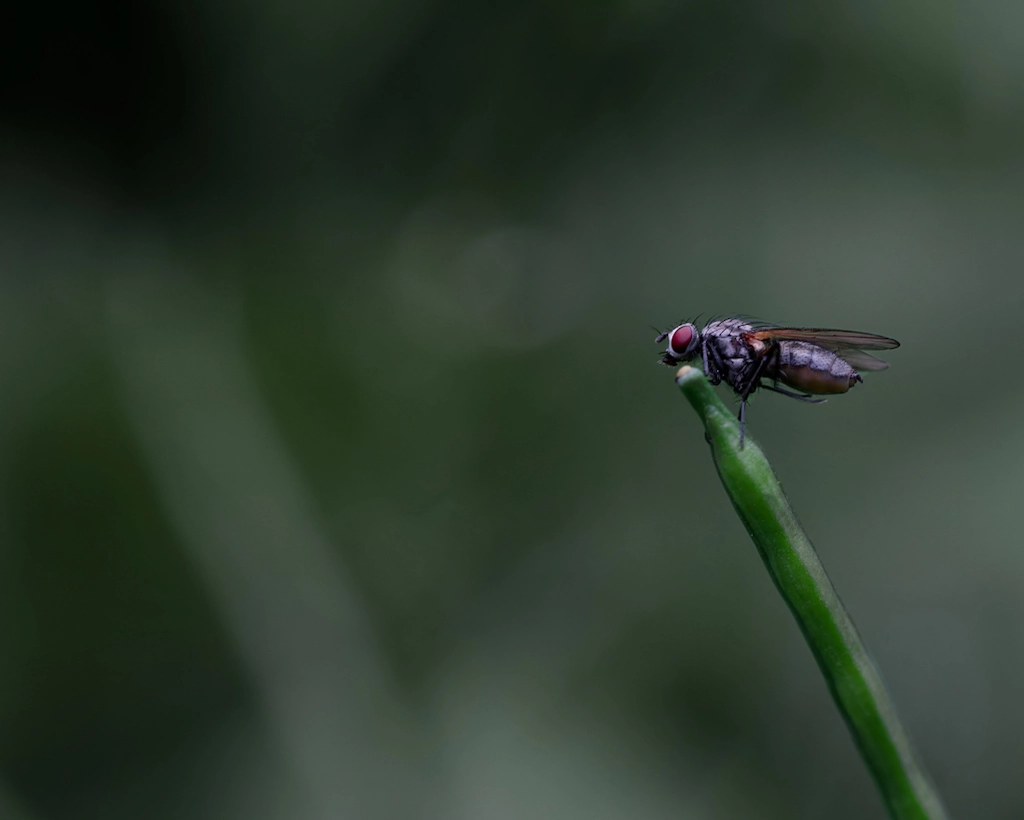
pixel 814 369
pixel 728 337
pixel 732 351
pixel 726 327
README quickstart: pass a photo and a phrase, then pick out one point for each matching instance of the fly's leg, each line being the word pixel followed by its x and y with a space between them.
pixel 751 386
pixel 771 357
pixel 799 396
pixel 714 367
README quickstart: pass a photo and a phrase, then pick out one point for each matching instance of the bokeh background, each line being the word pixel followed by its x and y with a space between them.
pixel 338 477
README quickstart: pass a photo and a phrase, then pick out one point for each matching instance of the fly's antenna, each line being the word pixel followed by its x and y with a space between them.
pixel 662 334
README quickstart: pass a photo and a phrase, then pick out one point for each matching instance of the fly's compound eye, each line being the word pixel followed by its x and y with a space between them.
pixel 682 340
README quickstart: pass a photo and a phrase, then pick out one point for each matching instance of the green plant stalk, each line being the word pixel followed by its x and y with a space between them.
pixel 798 574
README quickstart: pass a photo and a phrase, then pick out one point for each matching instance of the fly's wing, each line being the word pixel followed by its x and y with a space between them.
pixel 828 338
pixel 848 344
pixel 861 360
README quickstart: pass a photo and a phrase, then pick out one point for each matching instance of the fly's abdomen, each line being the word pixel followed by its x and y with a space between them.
pixel 813 369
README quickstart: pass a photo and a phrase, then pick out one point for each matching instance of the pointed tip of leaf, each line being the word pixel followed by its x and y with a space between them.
pixel 686 372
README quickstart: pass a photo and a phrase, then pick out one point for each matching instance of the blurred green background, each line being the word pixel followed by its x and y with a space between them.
pixel 338 477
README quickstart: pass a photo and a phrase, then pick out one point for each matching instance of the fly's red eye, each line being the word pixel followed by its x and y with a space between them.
pixel 680 339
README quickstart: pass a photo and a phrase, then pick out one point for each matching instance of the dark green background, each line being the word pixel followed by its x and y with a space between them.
pixel 338 478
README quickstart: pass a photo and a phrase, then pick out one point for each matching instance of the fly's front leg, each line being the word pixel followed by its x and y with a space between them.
pixel 714 367
pixel 704 357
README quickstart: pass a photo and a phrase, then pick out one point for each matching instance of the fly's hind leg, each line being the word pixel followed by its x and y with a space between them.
pixel 799 396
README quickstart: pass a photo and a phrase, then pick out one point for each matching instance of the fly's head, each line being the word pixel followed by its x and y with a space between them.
pixel 683 344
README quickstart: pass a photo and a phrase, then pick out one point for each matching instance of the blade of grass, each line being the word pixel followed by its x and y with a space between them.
pixel 789 556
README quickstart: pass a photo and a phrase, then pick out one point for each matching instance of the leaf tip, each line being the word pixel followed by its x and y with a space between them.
pixel 684 373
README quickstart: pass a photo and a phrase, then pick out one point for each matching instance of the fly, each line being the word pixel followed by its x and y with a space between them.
pixel 746 355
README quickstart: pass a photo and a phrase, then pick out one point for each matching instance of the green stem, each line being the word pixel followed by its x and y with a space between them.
pixel 796 570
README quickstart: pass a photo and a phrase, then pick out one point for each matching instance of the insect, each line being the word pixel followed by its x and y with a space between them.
pixel 746 354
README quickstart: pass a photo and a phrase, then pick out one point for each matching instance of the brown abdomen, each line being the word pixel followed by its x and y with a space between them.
pixel 814 369
pixel 815 381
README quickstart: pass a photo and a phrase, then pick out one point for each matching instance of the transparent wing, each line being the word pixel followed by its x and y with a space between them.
pixel 838 341
pixel 861 360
